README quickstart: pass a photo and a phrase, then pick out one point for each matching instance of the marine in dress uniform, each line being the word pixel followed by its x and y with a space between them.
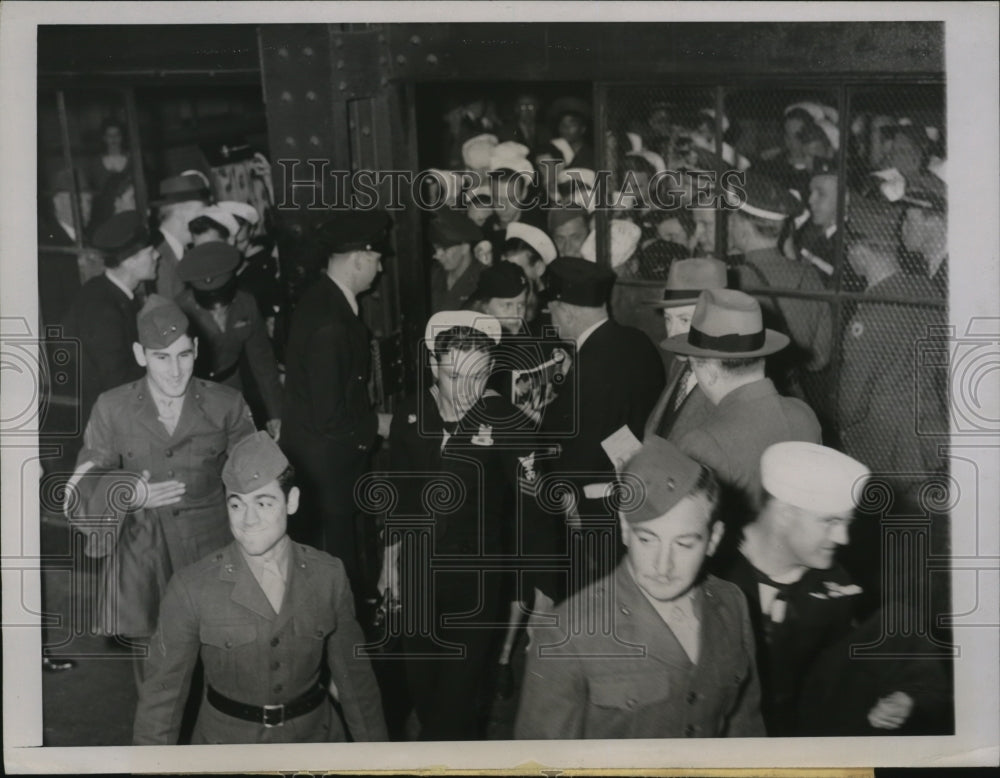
pixel 612 380
pixel 682 406
pixel 268 618
pixel 230 329
pixel 180 199
pixel 801 601
pixel 747 414
pixel 455 273
pixel 456 437
pixel 329 427
pixel 103 316
pixel 176 431
pixel 679 658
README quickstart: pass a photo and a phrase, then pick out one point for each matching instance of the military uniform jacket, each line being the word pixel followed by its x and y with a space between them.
pixel 457 297
pixel 638 682
pixel 819 612
pixel 104 320
pixel 220 352
pixel 215 609
pixel 808 322
pixel 124 433
pixel 886 405
pixel 327 412
pixel 746 421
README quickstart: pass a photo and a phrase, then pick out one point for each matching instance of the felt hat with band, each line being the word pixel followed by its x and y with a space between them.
pixel 726 324
pixel 688 278
pixel 123 235
pixel 182 188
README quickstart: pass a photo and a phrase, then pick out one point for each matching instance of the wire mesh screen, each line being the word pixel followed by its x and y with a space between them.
pixel 828 204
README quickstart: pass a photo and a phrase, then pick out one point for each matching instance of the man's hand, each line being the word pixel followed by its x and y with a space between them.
pixel 892 711
pixel 384 422
pixel 156 495
pixel 274 429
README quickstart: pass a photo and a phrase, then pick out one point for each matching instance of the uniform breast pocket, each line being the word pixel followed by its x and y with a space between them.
pixel 311 634
pixel 135 453
pixel 629 692
pixel 228 652
pixel 204 463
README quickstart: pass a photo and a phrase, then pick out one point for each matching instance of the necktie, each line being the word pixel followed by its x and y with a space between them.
pixel 169 413
pixel 779 610
pixel 685 629
pixel 219 315
pixel 681 390
pixel 273 584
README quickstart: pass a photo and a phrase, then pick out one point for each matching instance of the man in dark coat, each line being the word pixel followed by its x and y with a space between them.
pixel 103 316
pixel 181 199
pixel 455 274
pixel 678 657
pixel 611 381
pixel 265 615
pixel 329 427
pixel 801 601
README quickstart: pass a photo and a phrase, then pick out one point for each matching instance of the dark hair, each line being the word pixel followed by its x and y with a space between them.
pixel 461 339
pixel 517 245
pixel 199 225
pixel 207 298
pixel 637 164
pixel 286 480
pixel 741 364
pixel 707 485
pixel 110 122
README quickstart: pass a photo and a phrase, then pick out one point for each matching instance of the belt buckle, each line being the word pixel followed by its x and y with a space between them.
pixel 270 708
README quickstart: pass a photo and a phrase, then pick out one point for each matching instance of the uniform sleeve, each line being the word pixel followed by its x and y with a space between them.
pixel 553 692
pixel 239 423
pixel 173 653
pixel 746 719
pixel 260 355
pixel 810 324
pixel 327 376
pixel 352 674
pixel 707 451
pixel 99 445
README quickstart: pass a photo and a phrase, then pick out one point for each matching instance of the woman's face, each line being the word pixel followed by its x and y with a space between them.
pixel 571 128
pixel 112 138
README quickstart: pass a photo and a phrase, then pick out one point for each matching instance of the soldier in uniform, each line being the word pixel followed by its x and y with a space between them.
pixel 682 405
pixel 455 274
pixel 726 346
pixel 181 199
pixel 459 438
pixel 263 614
pixel 230 330
pixel 329 427
pixel 679 658
pixel 175 432
pixel 801 601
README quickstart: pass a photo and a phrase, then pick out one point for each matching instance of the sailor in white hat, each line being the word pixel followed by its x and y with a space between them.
pixel 800 599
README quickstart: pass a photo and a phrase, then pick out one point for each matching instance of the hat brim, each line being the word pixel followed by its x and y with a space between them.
pixel 773 342
pixel 676 303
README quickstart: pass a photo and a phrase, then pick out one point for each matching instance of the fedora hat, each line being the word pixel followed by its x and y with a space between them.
pixel 726 324
pixel 688 278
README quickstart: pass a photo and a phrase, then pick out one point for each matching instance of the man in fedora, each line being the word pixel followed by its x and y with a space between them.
pixel 678 660
pixel 181 198
pixel 682 405
pixel 801 600
pixel 455 274
pixel 726 346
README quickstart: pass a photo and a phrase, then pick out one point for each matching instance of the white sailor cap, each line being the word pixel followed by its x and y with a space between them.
pixel 244 211
pixel 476 151
pixel 535 238
pixel 813 477
pixel 510 155
pixel 220 216
pixel 445 320
pixel 625 237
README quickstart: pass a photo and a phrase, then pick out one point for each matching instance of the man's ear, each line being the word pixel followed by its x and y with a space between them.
pixel 293 500
pixel 626 529
pixel 433 364
pixel 194 346
pixel 139 353
pixel 718 530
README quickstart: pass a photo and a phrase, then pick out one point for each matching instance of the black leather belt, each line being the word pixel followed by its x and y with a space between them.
pixel 268 715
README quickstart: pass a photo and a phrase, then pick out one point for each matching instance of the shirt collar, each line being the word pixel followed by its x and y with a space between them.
pixel 69 228
pixel 175 245
pixel 828 232
pixel 351 299
pixel 159 398
pixel 582 337
pixel 279 554
pixel 117 282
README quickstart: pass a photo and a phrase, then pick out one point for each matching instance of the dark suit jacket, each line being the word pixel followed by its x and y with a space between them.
pixel 104 320
pixel 216 609
pixel 168 283
pixel 635 680
pixel 327 412
pixel 672 425
pixel 58 272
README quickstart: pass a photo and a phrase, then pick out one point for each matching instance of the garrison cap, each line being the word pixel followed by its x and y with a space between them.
pixel 452 228
pixel 190 185
pixel 503 280
pixel 161 322
pixel 209 265
pixel 254 462
pixel 122 235
pixel 577 281
pixel 812 477
pixel 355 231
pixel 660 475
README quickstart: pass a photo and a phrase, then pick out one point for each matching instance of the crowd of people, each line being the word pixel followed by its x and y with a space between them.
pixel 654 524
